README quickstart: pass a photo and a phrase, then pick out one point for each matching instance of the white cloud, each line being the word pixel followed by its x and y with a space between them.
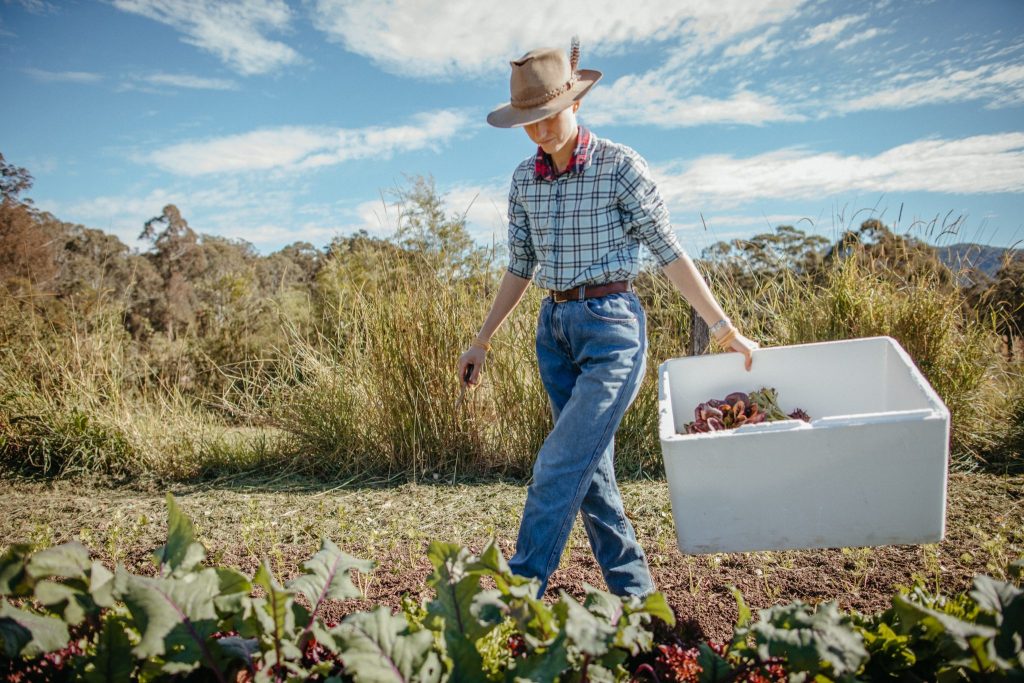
pixel 63 76
pixel 38 6
pixel 1002 83
pixel 697 235
pixel 233 31
pixel 860 37
pixel 645 100
pixel 470 37
pixel 979 164
pixel 228 207
pixel 758 42
pixel 485 208
pixel 275 235
pixel 189 81
pixel 829 30
pixel 270 215
pixel 297 147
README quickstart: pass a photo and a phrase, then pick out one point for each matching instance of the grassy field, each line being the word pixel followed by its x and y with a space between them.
pixel 242 520
pixel 364 391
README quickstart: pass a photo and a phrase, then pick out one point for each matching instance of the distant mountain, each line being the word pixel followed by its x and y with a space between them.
pixel 968 255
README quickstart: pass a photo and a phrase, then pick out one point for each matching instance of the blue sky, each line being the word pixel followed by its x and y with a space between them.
pixel 276 121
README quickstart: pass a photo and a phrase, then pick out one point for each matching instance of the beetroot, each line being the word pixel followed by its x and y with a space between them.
pixel 738 409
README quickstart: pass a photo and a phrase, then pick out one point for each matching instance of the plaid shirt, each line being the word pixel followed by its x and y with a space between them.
pixel 585 225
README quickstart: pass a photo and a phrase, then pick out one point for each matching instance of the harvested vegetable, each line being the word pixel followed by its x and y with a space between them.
pixel 738 409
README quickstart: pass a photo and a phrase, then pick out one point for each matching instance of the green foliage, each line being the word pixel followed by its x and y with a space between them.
pixel 974 636
pixel 181 553
pixel 768 255
pixel 28 634
pixel 925 636
pixel 178 622
pixel 1003 300
pixel 183 620
pixel 108 663
pixel 818 641
pixel 378 647
pixel 565 639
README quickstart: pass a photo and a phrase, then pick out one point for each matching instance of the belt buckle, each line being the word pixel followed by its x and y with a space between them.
pixel 562 297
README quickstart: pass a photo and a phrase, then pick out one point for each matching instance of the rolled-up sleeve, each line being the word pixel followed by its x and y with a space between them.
pixel 644 212
pixel 522 260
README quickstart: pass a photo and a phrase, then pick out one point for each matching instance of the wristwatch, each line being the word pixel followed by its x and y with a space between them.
pixel 724 322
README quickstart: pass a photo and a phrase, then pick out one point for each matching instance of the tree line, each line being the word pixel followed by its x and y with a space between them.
pixel 226 302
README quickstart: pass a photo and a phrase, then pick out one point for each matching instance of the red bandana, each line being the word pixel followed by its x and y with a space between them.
pixel 544 167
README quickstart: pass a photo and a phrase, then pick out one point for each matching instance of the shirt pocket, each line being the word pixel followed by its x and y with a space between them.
pixel 542 225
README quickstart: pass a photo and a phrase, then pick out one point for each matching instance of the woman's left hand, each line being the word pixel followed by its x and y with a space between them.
pixel 746 346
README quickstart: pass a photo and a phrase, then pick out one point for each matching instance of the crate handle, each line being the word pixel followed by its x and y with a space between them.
pixel 875 418
pixel 773 426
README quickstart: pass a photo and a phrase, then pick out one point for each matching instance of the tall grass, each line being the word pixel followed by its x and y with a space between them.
pixel 76 398
pixel 380 397
pixel 371 390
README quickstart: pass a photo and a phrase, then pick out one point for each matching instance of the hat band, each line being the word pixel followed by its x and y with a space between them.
pixel 546 97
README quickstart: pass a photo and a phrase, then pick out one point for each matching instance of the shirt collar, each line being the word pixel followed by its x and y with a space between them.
pixel 544 167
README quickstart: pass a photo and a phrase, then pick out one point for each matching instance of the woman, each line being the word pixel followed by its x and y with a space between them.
pixel 578 210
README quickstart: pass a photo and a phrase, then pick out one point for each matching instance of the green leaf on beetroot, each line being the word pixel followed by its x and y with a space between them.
pixel 452 610
pixel 76 602
pixel 542 665
pixel 101 585
pixel 234 588
pixel 377 647
pixel 586 632
pixel 278 601
pixel 817 642
pixel 27 634
pixel 70 560
pixel 181 553
pixel 328 575
pixel 14 579
pixel 713 666
pixel 656 605
pixel 175 617
pixel 113 661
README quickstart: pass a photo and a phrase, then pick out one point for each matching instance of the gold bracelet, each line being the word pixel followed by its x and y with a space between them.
pixel 727 337
pixel 480 343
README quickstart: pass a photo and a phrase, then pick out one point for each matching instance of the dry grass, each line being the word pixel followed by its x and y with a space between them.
pixel 371 391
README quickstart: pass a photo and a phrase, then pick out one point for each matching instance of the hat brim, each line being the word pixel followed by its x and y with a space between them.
pixel 508 116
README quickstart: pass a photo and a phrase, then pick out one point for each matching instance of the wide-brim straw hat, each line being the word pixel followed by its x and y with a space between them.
pixel 544 82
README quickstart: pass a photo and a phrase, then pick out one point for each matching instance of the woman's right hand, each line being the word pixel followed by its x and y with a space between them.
pixel 474 356
pixel 745 346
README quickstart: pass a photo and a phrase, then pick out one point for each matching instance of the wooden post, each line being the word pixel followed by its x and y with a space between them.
pixel 700 337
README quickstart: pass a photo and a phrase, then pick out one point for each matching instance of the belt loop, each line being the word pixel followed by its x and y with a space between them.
pixel 583 292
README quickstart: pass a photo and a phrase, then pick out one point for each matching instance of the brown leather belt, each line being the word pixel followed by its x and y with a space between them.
pixel 590 291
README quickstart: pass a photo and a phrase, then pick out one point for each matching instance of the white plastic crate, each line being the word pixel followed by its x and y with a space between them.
pixel 869 469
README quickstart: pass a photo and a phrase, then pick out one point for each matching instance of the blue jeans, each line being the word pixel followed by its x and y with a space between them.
pixel 592 356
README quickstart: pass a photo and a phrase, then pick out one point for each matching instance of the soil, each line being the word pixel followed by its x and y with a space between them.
pixel 985 531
